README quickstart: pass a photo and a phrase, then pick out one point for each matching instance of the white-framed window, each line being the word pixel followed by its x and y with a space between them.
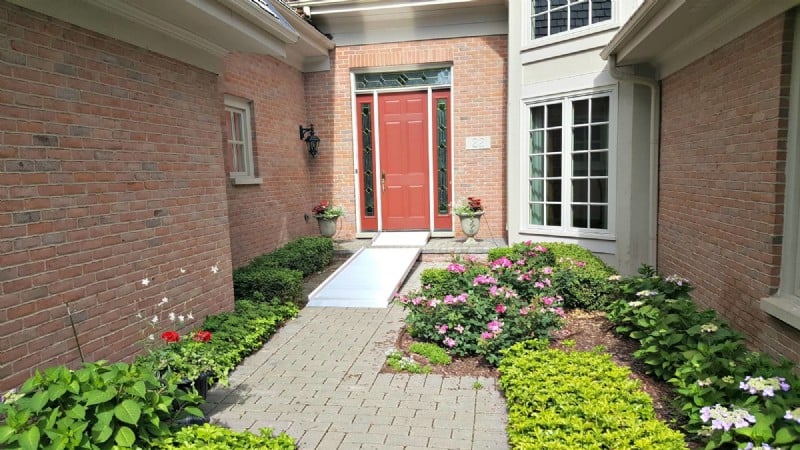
pixel 570 159
pixel 552 17
pixel 239 140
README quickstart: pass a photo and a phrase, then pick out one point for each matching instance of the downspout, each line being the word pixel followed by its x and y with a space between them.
pixel 655 118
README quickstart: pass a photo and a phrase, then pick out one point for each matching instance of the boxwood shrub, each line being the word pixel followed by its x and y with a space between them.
pixel 265 283
pixel 580 277
pixel 309 255
pixel 577 400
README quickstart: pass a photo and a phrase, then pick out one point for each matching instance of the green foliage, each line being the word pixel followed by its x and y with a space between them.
pixel 98 406
pixel 580 278
pixel 478 309
pixel 435 354
pixel 309 255
pixel 704 359
pixel 213 437
pixel 267 283
pixel 235 335
pixel 577 400
pixel 397 361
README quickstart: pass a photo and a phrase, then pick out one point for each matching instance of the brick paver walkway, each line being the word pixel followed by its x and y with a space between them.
pixel 318 379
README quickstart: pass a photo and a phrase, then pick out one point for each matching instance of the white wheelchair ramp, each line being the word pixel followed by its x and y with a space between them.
pixel 371 277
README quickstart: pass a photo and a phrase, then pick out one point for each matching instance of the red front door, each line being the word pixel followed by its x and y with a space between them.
pixel 404 179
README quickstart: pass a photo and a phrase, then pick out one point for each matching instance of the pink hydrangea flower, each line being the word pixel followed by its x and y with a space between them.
pixel 501 308
pixel 524 310
pixel 487 335
pixel 547 270
pixel 459 328
pixel 433 303
pixel 495 326
pixel 456 268
pixel 442 329
pixel 501 262
pixel 449 342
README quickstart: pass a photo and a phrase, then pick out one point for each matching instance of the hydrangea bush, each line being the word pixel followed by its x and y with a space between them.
pixel 732 397
pixel 474 308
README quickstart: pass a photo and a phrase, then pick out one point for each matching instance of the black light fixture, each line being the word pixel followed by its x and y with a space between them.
pixel 312 141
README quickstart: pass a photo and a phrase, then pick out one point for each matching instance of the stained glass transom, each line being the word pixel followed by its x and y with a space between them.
pixel 388 80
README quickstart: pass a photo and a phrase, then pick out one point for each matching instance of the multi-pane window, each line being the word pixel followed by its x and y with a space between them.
pixel 568 160
pixel 239 138
pixel 549 17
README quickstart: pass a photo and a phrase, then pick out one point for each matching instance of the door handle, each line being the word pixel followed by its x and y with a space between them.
pixel 383 181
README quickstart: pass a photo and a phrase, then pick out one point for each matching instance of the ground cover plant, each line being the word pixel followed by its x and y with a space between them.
pixel 561 400
pixel 732 397
pixel 214 437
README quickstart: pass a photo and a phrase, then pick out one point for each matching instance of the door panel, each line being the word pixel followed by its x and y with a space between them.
pixel 403 122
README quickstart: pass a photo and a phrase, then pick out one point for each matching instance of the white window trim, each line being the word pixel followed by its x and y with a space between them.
pixel 247 177
pixel 528 42
pixel 564 230
pixel 785 305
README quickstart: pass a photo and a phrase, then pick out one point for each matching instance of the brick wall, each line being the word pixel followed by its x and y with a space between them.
pixel 266 216
pixel 478 99
pixel 722 179
pixel 111 172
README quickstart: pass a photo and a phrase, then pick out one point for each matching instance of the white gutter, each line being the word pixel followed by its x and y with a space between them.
pixel 307 31
pixel 262 19
pixel 655 118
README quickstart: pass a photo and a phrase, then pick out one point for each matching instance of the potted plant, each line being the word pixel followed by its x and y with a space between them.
pixel 470 214
pixel 326 216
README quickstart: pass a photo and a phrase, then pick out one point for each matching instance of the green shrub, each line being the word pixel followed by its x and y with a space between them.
pixel 268 284
pixel 309 255
pixel 707 362
pixel 435 354
pixel 478 309
pixel 213 437
pixel 577 400
pixel 580 278
pixel 96 406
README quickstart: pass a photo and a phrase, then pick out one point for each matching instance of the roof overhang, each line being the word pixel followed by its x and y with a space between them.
pixel 198 32
pixel 670 34
pixel 358 22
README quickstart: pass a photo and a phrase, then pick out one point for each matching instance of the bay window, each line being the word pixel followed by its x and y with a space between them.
pixel 569 160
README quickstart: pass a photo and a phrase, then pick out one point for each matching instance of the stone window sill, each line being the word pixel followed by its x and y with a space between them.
pixel 244 181
pixel 783 307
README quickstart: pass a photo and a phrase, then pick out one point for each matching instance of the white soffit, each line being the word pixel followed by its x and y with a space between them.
pixel 358 22
pixel 670 34
pixel 198 32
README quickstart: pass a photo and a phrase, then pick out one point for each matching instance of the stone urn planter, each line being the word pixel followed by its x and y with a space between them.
pixel 470 225
pixel 327 227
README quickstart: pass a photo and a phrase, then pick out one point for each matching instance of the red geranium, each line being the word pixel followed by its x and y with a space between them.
pixel 202 336
pixel 170 336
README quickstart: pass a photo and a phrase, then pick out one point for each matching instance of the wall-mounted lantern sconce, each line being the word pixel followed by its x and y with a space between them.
pixel 312 141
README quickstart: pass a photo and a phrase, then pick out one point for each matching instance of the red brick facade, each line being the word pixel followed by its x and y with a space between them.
pixel 111 172
pixel 721 199
pixel 478 98
pixel 266 216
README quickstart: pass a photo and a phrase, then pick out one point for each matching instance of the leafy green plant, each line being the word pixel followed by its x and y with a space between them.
pixel 397 361
pixel 477 385
pixel 213 437
pixel 569 400
pixel 265 283
pixel 435 354
pixel 98 406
